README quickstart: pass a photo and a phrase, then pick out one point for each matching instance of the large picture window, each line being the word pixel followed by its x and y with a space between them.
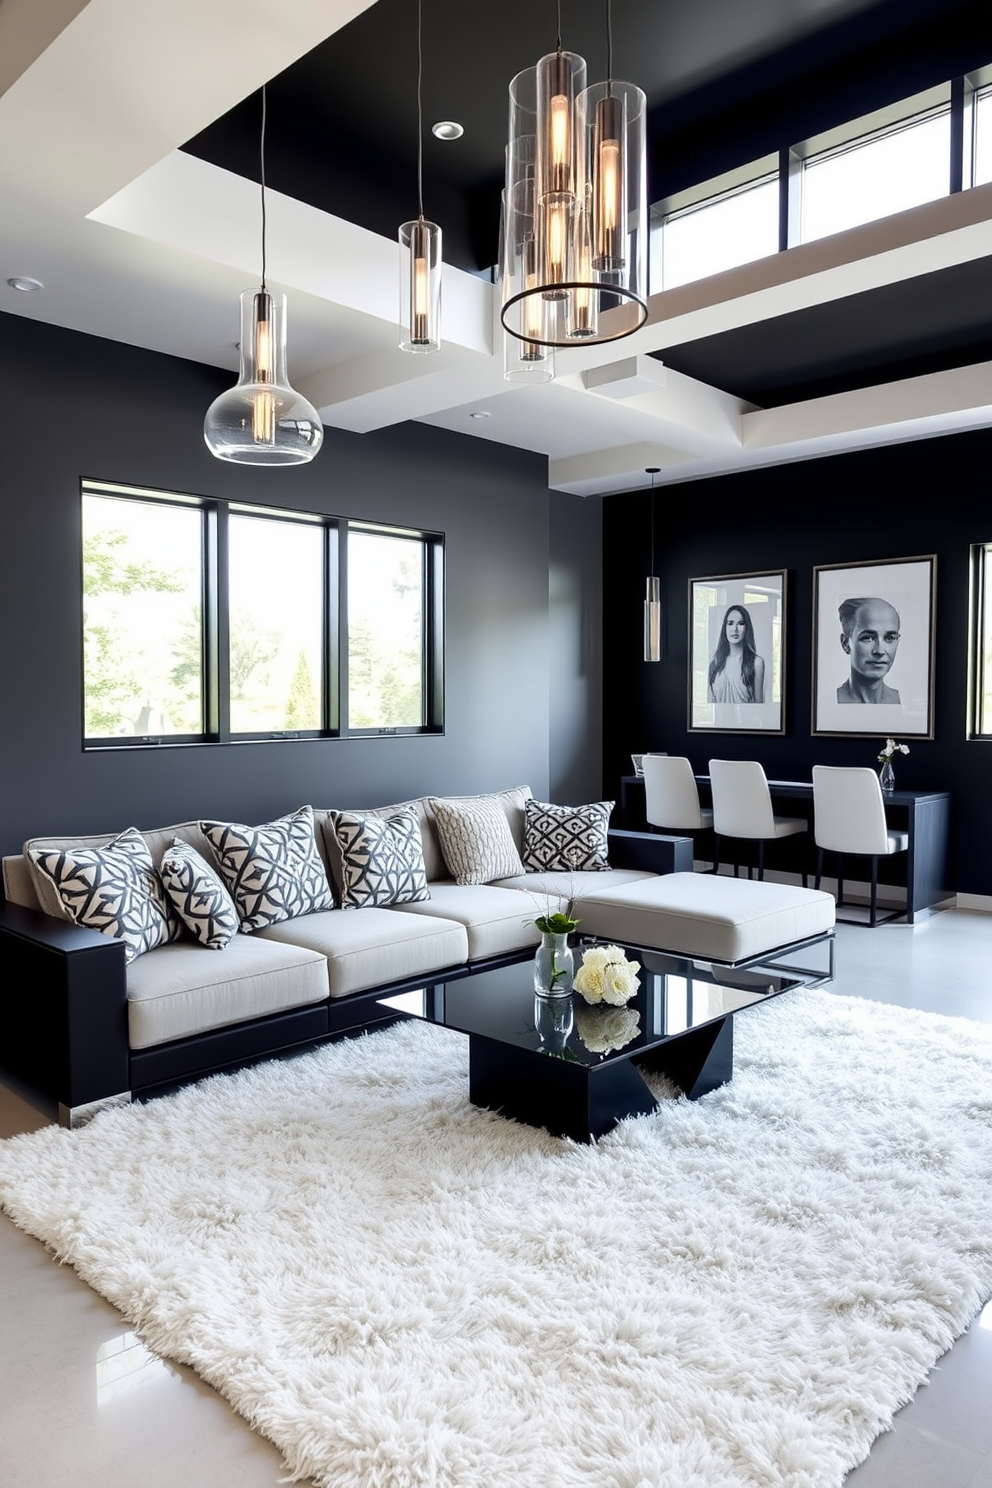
pixel 206 622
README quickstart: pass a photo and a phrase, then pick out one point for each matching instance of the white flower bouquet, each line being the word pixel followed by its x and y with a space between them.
pixel 891 748
pixel 603 1029
pixel 606 976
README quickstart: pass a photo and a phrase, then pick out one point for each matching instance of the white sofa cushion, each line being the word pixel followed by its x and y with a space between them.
pixel 496 920
pixel 375 946
pixel 708 917
pixel 183 989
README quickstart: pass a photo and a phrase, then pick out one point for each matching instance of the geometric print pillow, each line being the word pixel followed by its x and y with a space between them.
pixel 274 872
pixel 560 838
pixel 382 859
pixel 113 889
pixel 198 897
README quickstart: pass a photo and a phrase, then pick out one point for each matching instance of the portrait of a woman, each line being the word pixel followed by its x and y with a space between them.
pixel 736 672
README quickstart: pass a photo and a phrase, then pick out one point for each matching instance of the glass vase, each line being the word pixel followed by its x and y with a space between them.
pixel 553 967
pixel 887 776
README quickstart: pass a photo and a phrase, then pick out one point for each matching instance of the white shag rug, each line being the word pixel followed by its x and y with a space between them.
pixel 404 1292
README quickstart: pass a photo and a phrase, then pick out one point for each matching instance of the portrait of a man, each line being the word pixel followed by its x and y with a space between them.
pixel 873 648
pixel 869 635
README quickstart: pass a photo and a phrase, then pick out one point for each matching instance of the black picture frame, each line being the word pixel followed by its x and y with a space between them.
pixel 737 686
pixel 873 648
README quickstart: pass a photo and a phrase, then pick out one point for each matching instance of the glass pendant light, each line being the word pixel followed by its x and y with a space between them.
pixel 528 359
pixel 420 253
pixel 262 420
pixel 652 593
pixel 576 184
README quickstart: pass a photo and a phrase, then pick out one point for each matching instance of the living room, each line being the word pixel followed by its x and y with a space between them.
pixel 544 681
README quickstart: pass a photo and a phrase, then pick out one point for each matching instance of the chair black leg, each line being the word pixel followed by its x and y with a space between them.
pixel 840 880
pixel 716 853
pixel 874 892
pixel 819 867
pixel 761 860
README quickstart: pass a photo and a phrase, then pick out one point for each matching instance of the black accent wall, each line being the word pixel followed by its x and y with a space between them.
pixel 929 496
pixel 80 406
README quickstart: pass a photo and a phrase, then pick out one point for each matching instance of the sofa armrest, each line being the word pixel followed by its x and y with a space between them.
pixel 650 851
pixel 63 1009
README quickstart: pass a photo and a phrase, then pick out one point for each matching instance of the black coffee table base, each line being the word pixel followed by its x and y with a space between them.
pixel 586 1101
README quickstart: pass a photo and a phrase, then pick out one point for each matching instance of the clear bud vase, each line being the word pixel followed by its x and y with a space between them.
pixel 887 776
pixel 553 966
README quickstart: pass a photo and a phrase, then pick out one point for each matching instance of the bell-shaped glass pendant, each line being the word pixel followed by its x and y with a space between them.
pixel 262 420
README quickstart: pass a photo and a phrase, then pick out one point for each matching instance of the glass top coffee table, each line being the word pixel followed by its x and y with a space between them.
pixel 576 1069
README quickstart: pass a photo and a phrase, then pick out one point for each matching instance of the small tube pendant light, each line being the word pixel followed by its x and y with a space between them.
pixel 262 420
pixel 652 592
pixel 420 252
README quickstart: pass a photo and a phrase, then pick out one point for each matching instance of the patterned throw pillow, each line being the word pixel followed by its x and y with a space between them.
pixel 382 859
pixel 475 839
pixel 198 897
pixel 113 889
pixel 273 872
pixel 559 838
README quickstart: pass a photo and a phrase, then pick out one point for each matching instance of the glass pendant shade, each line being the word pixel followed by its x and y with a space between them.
pixel 576 189
pixel 262 420
pixel 420 286
pixel 652 620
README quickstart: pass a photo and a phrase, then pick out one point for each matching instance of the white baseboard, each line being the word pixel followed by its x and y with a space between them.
pixel 981 902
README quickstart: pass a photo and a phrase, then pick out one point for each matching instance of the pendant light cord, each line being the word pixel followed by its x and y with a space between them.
pixel 261 152
pixel 420 112
pixel 558 42
pixel 609 63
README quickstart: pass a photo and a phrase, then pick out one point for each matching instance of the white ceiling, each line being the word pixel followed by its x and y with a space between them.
pixel 140 243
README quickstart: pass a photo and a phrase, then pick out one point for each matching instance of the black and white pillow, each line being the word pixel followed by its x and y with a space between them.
pixel 274 872
pixel 113 889
pixel 198 897
pixel 382 859
pixel 475 838
pixel 566 838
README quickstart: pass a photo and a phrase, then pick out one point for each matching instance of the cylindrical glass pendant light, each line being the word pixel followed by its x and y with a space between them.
pixel 526 360
pixel 580 152
pixel 420 286
pixel 420 251
pixel 262 420
pixel 652 591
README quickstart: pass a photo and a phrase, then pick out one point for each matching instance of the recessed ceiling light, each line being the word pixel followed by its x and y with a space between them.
pixel 447 129
pixel 21 281
pixel 481 414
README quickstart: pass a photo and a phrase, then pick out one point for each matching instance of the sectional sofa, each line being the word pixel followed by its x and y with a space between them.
pixel 87 1020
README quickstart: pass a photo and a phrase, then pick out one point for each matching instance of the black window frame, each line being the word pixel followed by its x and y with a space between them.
pixel 215 626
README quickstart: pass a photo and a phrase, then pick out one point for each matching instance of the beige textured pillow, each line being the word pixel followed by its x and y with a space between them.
pixel 475 839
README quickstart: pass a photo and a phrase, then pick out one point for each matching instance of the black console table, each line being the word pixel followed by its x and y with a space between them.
pixel 924 815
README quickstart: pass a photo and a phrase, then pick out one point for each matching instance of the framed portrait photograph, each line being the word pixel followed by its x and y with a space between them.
pixel 737 653
pixel 873 633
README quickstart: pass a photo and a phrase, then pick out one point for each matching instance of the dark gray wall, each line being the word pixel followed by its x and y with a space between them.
pixel 575 678
pixel 929 496
pixel 88 407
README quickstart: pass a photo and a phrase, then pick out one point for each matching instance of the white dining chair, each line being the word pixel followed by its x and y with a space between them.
pixel 671 797
pixel 742 808
pixel 849 818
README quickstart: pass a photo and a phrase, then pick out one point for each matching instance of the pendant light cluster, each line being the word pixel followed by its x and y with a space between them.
pixel 652 590
pixel 420 251
pixel 574 255
pixel 262 420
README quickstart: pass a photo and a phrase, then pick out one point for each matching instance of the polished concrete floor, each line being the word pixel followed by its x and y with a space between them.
pixel 84 1405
